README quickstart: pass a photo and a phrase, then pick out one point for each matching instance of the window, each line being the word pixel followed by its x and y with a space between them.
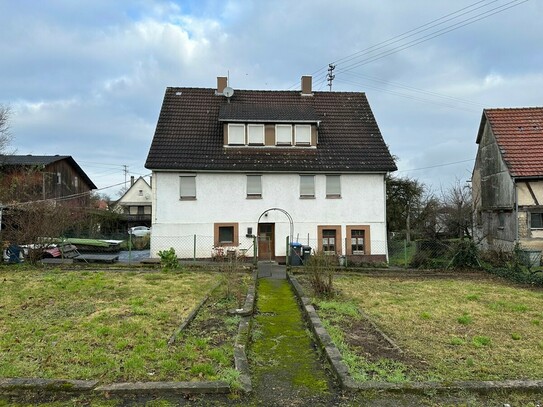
pixel 501 220
pixel 59 178
pixel 76 182
pixel 333 186
pixel 254 186
pixel 302 134
pixel 536 221
pixel 307 186
pixel 329 240
pixel 140 192
pixel 357 241
pixel 236 134
pixel 141 210
pixel 226 234
pixel 187 186
pixel 283 134
pixel 255 134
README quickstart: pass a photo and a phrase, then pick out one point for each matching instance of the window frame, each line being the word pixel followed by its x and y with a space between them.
pixel 333 194
pixel 261 135
pixel 338 238
pixel 298 128
pixel 216 234
pixel 538 215
pixel 240 126
pixel 307 196
pixel 367 240
pixel 187 197
pixel 283 143
pixel 254 195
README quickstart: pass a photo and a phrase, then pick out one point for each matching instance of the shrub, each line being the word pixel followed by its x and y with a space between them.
pixel 466 255
pixel 321 268
pixel 168 259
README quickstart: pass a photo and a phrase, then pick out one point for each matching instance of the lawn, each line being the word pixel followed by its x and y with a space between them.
pixel 108 326
pixel 450 328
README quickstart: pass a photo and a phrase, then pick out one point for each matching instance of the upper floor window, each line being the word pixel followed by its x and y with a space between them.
pixel 236 134
pixel 536 220
pixel 254 186
pixel 302 134
pixel 333 186
pixel 307 186
pixel 59 178
pixel 283 134
pixel 187 186
pixel 255 134
pixel 76 182
pixel 140 192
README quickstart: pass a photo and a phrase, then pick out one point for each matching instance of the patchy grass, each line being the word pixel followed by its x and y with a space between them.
pixel 472 329
pixel 102 325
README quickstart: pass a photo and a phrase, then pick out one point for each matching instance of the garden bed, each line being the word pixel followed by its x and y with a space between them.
pixel 446 329
pixel 114 327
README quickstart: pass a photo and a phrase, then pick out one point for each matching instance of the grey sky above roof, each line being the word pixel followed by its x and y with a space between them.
pixel 87 78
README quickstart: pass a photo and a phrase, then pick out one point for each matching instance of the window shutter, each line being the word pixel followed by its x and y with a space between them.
pixel 236 134
pixel 187 186
pixel 333 185
pixel 307 185
pixel 303 134
pixel 283 134
pixel 254 185
pixel 255 133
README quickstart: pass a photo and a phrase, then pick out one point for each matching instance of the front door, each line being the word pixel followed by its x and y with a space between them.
pixel 266 241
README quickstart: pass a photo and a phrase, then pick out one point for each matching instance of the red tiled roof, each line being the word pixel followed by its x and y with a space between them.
pixel 519 134
pixel 189 133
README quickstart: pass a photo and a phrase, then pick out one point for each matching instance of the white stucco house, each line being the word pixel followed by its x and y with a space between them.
pixel 233 164
pixel 135 205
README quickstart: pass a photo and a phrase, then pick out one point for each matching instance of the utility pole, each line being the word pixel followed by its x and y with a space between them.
pixel 125 170
pixel 330 77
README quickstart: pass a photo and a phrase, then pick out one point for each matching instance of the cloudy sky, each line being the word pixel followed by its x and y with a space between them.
pixel 86 78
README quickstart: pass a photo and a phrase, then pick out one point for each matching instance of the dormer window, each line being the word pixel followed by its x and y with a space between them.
pixel 302 134
pixel 255 134
pixel 283 134
pixel 236 134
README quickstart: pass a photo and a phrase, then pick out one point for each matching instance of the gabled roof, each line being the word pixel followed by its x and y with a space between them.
pixel 519 134
pixel 189 132
pixel 43 160
pixel 133 186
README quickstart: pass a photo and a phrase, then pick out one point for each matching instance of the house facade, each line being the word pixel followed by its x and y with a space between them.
pixel 135 205
pixel 230 165
pixel 507 179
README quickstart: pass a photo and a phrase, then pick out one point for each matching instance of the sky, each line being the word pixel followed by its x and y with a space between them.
pixel 86 78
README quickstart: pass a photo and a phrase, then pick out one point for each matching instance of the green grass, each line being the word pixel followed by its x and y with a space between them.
pixel 478 328
pixel 100 325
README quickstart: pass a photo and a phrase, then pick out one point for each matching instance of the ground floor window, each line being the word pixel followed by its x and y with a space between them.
pixel 358 239
pixel 226 234
pixel 329 239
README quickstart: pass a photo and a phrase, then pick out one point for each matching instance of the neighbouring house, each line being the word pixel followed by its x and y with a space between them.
pixel 135 205
pixel 27 178
pixel 233 164
pixel 508 179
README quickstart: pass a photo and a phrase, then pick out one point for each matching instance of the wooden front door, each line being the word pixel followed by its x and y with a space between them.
pixel 266 241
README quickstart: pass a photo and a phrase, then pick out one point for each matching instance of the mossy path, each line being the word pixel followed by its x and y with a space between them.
pixel 285 365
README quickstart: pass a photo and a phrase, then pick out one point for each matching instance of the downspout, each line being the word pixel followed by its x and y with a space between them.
pixel 516 210
pixel 385 221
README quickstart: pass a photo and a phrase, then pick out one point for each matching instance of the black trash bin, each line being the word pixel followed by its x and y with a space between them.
pixel 296 254
pixel 306 253
pixel 14 254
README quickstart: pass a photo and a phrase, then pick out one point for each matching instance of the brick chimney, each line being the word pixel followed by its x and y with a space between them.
pixel 306 85
pixel 222 82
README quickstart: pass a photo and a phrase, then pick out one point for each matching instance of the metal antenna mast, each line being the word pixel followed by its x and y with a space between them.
pixel 330 77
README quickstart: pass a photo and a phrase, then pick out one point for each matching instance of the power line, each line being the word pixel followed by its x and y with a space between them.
pixel 438 165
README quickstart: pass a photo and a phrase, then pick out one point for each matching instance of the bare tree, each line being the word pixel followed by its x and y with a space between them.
pixel 5 134
pixel 457 209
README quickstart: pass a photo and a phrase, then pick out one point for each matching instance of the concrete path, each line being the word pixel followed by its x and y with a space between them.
pixel 285 366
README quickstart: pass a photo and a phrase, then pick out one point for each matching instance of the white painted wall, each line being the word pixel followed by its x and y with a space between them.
pixel 222 198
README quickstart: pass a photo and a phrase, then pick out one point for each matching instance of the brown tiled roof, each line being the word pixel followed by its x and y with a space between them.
pixel 236 112
pixel 189 135
pixel 519 134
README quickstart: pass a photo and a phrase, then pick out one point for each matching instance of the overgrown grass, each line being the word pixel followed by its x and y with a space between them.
pixel 478 329
pixel 98 325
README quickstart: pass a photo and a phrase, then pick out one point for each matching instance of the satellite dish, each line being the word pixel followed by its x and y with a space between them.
pixel 228 92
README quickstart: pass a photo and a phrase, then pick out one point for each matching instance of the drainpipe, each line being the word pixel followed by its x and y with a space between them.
pixel 516 210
